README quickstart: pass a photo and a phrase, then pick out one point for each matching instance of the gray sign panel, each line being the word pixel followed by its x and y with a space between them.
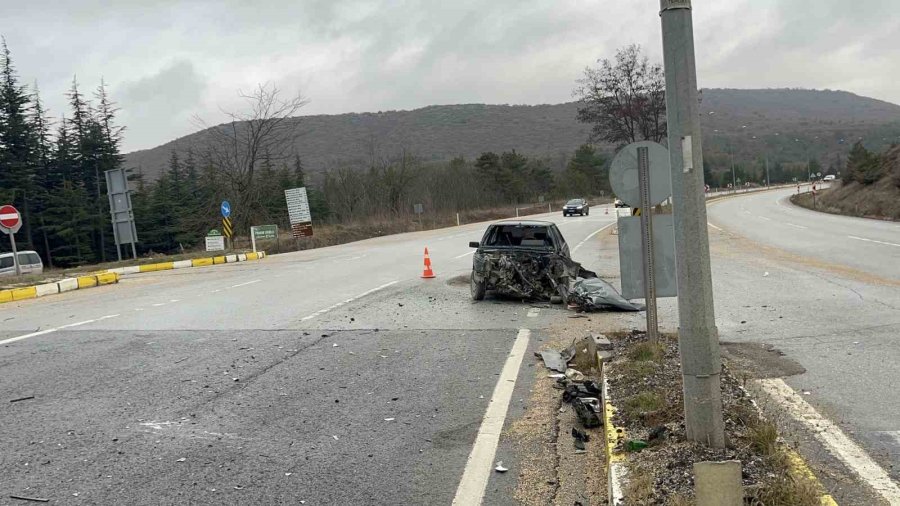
pixel 623 174
pixel 124 230
pixel 631 267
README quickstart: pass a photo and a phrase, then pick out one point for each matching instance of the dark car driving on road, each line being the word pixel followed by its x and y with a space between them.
pixel 528 259
pixel 576 206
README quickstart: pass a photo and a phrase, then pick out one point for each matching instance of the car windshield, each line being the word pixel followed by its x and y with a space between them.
pixel 534 236
pixel 574 202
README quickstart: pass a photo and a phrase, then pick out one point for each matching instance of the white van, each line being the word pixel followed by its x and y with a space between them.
pixel 29 263
pixel 829 177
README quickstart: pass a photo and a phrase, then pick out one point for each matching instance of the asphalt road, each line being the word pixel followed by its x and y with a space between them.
pixel 331 376
pixel 338 376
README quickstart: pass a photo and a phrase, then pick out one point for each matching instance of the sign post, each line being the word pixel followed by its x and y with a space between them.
pixel 215 241
pixel 226 221
pixel 10 223
pixel 647 243
pixel 263 232
pixel 298 212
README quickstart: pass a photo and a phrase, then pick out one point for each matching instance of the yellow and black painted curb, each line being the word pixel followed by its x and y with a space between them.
pixel 112 276
pixel 615 460
pixel 184 264
pixel 61 286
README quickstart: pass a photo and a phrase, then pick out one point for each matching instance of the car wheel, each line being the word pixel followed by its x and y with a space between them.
pixel 478 289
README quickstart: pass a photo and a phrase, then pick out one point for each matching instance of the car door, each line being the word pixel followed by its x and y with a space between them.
pixel 560 243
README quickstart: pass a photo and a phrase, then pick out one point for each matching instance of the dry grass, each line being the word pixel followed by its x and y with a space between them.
pixel 639 487
pixel 646 352
pixel 644 402
pixel 680 500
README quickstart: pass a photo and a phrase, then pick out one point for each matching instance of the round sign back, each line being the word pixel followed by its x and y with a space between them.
pixel 623 173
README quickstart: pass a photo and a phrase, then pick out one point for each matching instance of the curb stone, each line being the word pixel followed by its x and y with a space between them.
pixel 112 276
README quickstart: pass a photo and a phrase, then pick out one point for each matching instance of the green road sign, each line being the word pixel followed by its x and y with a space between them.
pixel 265 232
pixel 213 233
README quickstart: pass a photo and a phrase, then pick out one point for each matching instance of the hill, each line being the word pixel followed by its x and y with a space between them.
pixel 823 121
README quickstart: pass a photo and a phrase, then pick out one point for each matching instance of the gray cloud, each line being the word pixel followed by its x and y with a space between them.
pixel 168 60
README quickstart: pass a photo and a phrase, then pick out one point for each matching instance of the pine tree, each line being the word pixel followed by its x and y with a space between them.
pixel 17 144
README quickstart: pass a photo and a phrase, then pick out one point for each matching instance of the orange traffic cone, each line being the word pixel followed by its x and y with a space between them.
pixel 427 273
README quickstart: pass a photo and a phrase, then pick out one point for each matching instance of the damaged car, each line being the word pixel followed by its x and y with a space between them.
pixel 530 260
pixel 523 259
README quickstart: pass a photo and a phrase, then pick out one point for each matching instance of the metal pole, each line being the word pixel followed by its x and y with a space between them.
pixel 733 180
pixel 133 251
pixel 698 340
pixel 12 242
pixel 253 239
pixel 767 170
pixel 647 244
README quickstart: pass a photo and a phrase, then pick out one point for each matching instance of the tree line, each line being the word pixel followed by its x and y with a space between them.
pixel 52 170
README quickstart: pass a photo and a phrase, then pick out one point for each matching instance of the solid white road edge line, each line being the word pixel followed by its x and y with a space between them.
pixel 481 461
pixel 464 255
pixel 833 438
pixel 873 240
pixel 595 232
pixel 351 299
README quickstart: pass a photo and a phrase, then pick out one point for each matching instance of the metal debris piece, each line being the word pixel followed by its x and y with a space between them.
pixel 28 397
pixel 580 435
pixel 594 294
pixel 500 468
pixel 553 360
pixel 579 445
pixel 588 411
pixel 574 375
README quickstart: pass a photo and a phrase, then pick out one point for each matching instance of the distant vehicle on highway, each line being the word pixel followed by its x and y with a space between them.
pixel 29 263
pixel 619 203
pixel 510 248
pixel 576 206
pixel 829 177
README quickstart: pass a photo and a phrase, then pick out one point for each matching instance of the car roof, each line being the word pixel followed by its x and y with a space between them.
pixel 527 223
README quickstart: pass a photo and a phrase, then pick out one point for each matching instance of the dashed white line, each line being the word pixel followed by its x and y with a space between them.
pixel 834 439
pixel 464 255
pixel 586 239
pixel 46 331
pixel 351 299
pixel 795 226
pixel 478 468
pixel 159 304
pixel 764 218
pixel 534 312
pixel 713 226
pixel 247 283
pixel 873 240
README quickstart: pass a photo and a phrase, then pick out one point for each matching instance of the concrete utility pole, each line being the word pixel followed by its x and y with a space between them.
pixel 698 338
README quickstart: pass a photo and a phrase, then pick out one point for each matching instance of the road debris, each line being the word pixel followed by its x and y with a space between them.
pixel 588 411
pixel 182 459
pixel 594 294
pixel 32 499
pixel 389 419
pixel 500 468
pixel 26 398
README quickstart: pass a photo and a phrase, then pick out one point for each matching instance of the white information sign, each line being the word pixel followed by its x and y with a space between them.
pixel 215 243
pixel 298 212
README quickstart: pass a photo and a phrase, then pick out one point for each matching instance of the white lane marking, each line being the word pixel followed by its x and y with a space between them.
pixel 351 299
pixel 46 331
pixel 586 239
pixel 764 218
pixel 478 468
pixel 247 283
pixel 172 301
pixel 160 304
pixel 873 240
pixel 533 312
pixel 713 226
pixel 795 226
pixel 834 439
pixel 464 255
pixel 107 317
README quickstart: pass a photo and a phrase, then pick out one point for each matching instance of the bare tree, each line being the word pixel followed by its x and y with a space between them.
pixel 625 100
pixel 236 150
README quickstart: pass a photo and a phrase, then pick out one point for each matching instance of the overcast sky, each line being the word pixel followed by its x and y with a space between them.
pixel 166 61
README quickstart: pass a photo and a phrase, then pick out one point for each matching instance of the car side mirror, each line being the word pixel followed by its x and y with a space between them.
pixel 474 244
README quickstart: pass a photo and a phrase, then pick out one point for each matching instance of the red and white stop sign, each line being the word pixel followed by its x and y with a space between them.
pixel 9 217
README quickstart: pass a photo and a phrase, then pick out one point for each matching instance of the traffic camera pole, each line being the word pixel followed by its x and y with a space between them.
pixel 698 339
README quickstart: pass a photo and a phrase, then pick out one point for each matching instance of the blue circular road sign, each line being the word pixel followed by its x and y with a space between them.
pixel 226 209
